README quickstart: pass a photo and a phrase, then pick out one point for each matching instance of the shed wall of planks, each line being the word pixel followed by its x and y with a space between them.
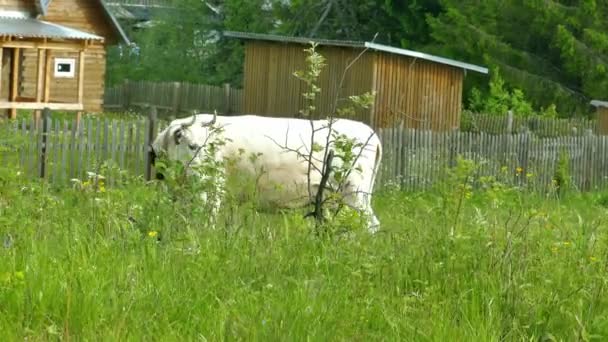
pixel 420 93
pixel 270 88
pixel 602 120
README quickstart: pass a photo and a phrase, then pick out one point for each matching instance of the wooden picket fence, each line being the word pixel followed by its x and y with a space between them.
pixel 62 150
pixel 412 159
pixel 540 126
pixel 417 159
pixel 173 99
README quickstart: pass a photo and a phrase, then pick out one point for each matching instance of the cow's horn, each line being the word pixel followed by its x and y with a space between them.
pixel 205 124
pixel 186 125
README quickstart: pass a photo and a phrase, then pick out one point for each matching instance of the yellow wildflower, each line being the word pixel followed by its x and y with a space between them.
pixel 519 170
pixel 567 243
pixel 152 233
pixel 593 259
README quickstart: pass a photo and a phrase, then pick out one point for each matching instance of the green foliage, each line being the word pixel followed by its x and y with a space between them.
pixel 315 63
pixel 500 100
pixel 561 63
pixel 562 180
pixel 185 44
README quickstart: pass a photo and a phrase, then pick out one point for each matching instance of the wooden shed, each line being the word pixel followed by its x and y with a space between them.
pixel 602 116
pixel 418 89
pixel 53 54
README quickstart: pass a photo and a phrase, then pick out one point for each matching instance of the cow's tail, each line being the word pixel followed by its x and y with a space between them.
pixel 377 162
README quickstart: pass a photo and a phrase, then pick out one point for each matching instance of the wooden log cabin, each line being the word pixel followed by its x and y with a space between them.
pixel 412 88
pixel 53 54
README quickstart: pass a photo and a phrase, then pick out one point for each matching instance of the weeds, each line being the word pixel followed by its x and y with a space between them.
pixel 131 262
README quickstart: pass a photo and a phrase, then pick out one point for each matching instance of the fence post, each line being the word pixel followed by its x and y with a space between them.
pixel 227 108
pixel 176 97
pixel 126 101
pixel 149 155
pixel 45 116
pixel 453 134
pixel 510 122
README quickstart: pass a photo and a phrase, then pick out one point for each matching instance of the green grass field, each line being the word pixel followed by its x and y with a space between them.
pixel 485 263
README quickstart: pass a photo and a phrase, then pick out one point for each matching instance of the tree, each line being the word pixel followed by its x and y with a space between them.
pixel 185 44
pixel 554 52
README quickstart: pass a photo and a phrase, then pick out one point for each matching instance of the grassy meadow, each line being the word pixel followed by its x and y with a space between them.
pixel 472 260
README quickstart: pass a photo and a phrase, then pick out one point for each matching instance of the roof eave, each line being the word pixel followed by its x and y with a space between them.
pixel 598 103
pixel 115 24
pixel 416 54
pixel 298 40
pixel 356 44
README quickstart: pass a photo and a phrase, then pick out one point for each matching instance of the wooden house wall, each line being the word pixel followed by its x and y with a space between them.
pixel 6 73
pixel 82 15
pixel 18 5
pixel 420 93
pixel 66 89
pixel 271 89
pixel 79 14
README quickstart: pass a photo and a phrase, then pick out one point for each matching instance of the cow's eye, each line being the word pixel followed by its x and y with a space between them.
pixel 192 146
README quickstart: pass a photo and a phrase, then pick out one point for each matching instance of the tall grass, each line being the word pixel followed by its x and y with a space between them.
pixel 467 261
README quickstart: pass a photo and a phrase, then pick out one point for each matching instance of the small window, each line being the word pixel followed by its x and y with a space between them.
pixel 64 67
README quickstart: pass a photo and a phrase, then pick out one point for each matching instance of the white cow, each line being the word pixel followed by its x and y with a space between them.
pixel 284 179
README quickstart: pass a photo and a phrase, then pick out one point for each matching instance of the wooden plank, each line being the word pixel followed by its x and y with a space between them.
pixel 105 153
pixel 23 127
pixel 40 76
pixel 66 151
pixel 138 149
pixel 47 81
pixel 121 147
pixel 73 148
pixel 113 149
pixel 42 46
pixel 81 64
pixel 81 141
pixel 89 160
pixel 14 81
pixel 1 65
pixel 33 149
pixel 97 146
pixel 40 105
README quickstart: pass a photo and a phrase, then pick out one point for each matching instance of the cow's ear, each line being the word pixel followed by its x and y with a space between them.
pixel 177 136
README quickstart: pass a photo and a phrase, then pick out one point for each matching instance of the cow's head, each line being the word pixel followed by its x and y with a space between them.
pixel 183 139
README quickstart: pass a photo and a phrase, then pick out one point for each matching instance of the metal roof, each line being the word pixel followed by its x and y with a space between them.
pixel 115 23
pixel 356 44
pixel 598 103
pixel 33 28
pixel 426 56
pixel 285 39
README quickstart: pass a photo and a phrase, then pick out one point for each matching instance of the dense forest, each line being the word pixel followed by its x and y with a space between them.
pixel 547 57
